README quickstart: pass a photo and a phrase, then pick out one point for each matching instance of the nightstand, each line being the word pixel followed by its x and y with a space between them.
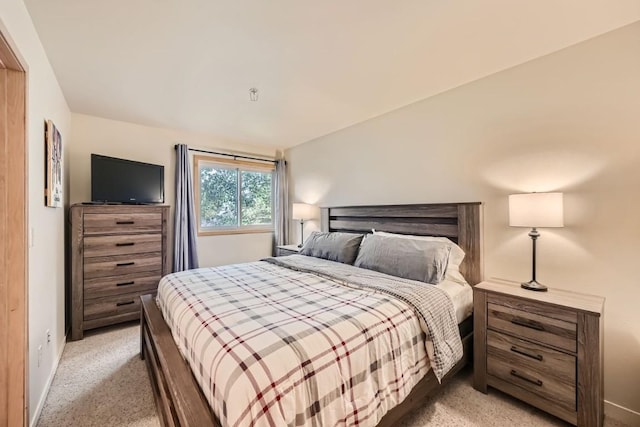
pixel 544 348
pixel 287 250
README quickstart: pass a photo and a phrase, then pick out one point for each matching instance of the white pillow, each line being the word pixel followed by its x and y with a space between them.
pixel 456 255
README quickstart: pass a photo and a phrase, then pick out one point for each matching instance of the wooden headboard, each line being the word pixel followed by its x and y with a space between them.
pixel 459 222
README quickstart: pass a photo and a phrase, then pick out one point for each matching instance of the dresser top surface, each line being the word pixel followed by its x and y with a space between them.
pixel 107 208
pixel 581 302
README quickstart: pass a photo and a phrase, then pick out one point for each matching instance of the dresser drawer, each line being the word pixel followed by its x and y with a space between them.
pixel 122 222
pixel 99 287
pixel 545 385
pixel 122 264
pixel 534 357
pixel 122 244
pixel 112 306
pixel 533 324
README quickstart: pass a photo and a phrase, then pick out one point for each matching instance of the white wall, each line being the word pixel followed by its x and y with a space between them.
pixel 46 257
pixel 566 122
pixel 155 145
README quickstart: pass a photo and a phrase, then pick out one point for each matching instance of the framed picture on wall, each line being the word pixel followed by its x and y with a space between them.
pixel 53 174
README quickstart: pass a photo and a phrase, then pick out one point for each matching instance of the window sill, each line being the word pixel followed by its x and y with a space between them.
pixel 234 231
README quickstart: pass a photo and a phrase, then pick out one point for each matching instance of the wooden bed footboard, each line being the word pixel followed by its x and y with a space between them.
pixel 178 398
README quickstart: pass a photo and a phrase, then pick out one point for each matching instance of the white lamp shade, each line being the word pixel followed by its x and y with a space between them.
pixel 536 210
pixel 302 211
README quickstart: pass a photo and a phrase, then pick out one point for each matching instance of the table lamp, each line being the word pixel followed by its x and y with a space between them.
pixel 535 210
pixel 302 212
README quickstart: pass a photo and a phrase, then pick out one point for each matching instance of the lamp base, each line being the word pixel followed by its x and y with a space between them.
pixel 532 285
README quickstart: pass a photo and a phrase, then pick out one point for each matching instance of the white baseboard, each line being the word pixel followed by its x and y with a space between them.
pixel 620 413
pixel 45 392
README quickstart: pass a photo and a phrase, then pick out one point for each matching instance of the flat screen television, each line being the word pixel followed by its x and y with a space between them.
pixel 116 180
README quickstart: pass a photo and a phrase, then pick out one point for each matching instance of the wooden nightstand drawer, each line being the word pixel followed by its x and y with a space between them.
pixel 545 310
pixel 543 371
pixel 541 384
pixel 535 357
pixel 531 325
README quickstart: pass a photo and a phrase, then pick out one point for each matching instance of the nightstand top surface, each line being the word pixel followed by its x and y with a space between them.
pixel 294 248
pixel 578 301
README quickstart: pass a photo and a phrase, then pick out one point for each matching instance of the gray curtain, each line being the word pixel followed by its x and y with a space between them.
pixel 185 254
pixel 281 201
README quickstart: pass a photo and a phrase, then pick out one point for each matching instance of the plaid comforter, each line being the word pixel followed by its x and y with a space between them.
pixel 303 341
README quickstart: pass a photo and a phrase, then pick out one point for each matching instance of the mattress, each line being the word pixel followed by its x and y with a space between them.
pixel 280 345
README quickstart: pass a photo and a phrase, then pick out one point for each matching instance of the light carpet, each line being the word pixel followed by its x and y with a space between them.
pixel 102 382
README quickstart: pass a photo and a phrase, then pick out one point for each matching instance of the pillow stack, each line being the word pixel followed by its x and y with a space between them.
pixel 422 258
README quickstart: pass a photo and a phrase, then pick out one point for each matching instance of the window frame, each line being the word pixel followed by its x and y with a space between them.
pixel 240 166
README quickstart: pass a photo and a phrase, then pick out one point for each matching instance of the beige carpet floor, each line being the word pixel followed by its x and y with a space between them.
pixel 102 382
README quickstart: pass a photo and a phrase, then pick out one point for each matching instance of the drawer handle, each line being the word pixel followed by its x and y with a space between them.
pixel 525 378
pixel 125 283
pixel 526 353
pixel 125 222
pixel 527 323
pixel 124 303
pixel 125 244
pixel 124 264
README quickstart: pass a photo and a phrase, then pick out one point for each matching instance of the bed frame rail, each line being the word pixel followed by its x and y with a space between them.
pixel 426 388
pixel 178 397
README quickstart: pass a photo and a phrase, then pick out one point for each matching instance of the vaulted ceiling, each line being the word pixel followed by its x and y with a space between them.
pixel 319 66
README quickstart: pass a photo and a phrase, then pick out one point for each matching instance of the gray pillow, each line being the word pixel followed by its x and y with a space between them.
pixel 424 261
pixel 340 247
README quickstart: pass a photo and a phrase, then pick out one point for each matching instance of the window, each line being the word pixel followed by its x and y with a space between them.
pixel 233 196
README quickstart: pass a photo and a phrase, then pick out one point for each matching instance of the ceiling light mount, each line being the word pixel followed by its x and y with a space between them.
pixel 253 94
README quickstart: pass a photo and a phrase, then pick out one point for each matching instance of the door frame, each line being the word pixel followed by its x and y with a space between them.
pixel 13 239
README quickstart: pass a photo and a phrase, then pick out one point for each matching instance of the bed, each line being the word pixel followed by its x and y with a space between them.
pixel 179 398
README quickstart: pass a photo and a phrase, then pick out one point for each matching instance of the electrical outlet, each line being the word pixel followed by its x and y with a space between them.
pixel 39 355
pixel 48 332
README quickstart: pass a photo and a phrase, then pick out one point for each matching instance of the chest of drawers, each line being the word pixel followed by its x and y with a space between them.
pixel 118 252
pixel 544 348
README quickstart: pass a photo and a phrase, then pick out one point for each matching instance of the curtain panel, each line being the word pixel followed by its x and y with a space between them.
pixel 281 201
pixel 185 253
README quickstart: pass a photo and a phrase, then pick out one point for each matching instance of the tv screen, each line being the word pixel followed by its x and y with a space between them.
pixel 125 181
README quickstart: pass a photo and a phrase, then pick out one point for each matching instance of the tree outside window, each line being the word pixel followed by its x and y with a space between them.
pixel 233 196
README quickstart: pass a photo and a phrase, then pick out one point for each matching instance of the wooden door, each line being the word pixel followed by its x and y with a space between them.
pixel 13 240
